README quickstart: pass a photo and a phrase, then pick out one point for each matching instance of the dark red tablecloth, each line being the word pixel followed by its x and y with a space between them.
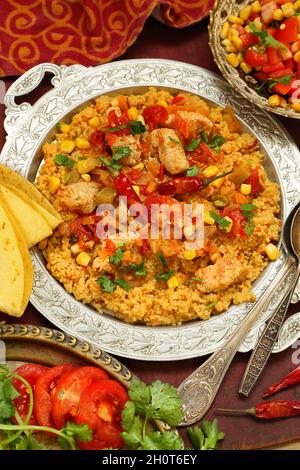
pixel 191 45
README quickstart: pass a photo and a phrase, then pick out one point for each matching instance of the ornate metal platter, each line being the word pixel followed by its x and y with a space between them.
pixel 27 128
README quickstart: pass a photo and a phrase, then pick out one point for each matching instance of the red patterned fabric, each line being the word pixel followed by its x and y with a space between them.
pixel 81 31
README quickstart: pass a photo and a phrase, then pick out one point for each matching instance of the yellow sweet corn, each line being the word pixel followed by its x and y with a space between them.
pixel 173 282
pixel 246 188
pixel 297 56
pixel 214 257
pixel 83 259
pixel 75 249
pixel 272 251
pixel 162 103
pixel 287 9
pixel 278 15
pixel 82 144
pixel 245 12
pixel 94 122
pixel 189 254
pixel 65 128
pixel 235 19
pixel 228 228
pixel 139 166
pixel 233 59
pixel 54 184
pixel 283 102
pixel 87 165
pixel 141 119
pixel 237 42
pixel 296 5
pixel 133 113
pixel 210 171
pixel 67 146
pixel 86 177
pixel 218 183
pixel 225 30
pixel 207 218
pixel 256 7
pixel 258 23
pixel 137 189
pixel 295 106
pixel 246 68
pixel 274 101
pixel 229 46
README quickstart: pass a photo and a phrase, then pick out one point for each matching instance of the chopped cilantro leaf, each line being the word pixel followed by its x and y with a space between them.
pixel 266 38
pixel 106 283
pixel 164 276
pixel 206 438
pixel 175 141
pixel 117 257
pixel 221 221
pixel 109 164
pixel 212 304
pixel 193 145
pixel 139 269
pixel 163 260
pixel 123 284
pixel 136 127
pixel 63 160
pixel 192 171
pixel 121 152
pixel 197 279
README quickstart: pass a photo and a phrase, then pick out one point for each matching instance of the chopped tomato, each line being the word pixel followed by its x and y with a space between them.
pixel 253 179
pixel 118 121
pixel 272 54
pixel 97 139
pixel 255 56
pixel 30 372
pixel 100 407
pixel 290 32
pixel 161 172
pixel 122 102
pixel 84 228
pixel 267 9
pixel 110 247
pixel 281 73
pixel 249 39
pixel 177 99
pixel 238 219
pixel 290 63
pixel 261 76
pixel 282 88
pixel 267 68
pixel 155 115
pixel 44 390
pixel 134 175
pixel 66 397
pixel 111 138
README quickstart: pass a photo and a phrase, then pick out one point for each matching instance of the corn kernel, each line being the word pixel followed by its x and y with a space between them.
pixel 94 121
pixel 295 107
pixel 246 68
pixel 139 166
pixel 258 23
pixel 297 56
pixel 189 254
pixel 272 251
pixel 214 257
pixel 141 119
pixel 296 5
pixel 233 60
pixel 173 282
pixel 235 19
pixel 86 177
pixel 210 171
pixel 277 15
pixel 137 189
pixel 83 259
pixel 163 103
pixel 245 12
pixel 237 42
pixel 75 249
pixel 229 46
pixel 87 165
pixel 82 144
pixel 248 29
pixel 224 30
pixel 218 183
pixel 228 227
pixel 67 146
pixel 54 184
pixel 207 218
pixel 246 188
pixel 65 128
pixel 295 47
pixel 283 102
pixel 133 113
pixel 274 101
pixel 233 33
pixel 287 9
pixel 256 7
pixel 240 57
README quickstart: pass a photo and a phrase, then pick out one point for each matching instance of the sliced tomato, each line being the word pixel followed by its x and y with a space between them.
pixel 30 372
pixel 255 57
pixel 44 389
pixel 177 99
pixel 118 121
pixel 84 228
pixel 97 139
pixel 67 394
pixel 281 73
pixel 290 31
pixel 155 115
pixel 282 88
pixel 272 54
pixel 249 39
pixel 290 63
pixel 100 407
pixel 254 180
pixel 238 219
pixel 267 9
pixel 267 68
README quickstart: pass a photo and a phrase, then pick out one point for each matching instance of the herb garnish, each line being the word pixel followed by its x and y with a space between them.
pixel 266 38
pixel 205 437
pixel 247 211
pixel 109 286
pixel 63 160
pixel 193 145
pixel 164 276
pixel 221 221
pixel 139 268
pixel 192 171
pixel 117 257
pixel 175 141
pixel 136 127
pixel 119 153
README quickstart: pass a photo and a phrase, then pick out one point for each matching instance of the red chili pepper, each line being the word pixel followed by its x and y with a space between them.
pixel 267 410
pixel 161 173
pixel 124 188
pixel 186 184
pixel 290 379
pixel 268 68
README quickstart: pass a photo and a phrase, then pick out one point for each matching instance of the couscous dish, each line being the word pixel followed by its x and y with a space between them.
pixel 159 148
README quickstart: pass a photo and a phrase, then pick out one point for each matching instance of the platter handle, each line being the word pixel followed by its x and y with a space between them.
pixel 29 82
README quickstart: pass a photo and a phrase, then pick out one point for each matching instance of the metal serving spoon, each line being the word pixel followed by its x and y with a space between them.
pixel 199 389
pixel 264 347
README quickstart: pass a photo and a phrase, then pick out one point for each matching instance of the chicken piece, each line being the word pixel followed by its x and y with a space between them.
pixel 80 197
pixel 197 122
pixel 167 145
pixel 135 147
pixel 166 247
pixel 220 275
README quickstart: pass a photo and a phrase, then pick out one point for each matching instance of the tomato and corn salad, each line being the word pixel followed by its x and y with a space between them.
pixel 263 41
pixel 159 148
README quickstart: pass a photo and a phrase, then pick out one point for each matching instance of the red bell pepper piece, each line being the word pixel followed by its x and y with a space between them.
pixel 97 139
pixel 267 68
pixel 238 219
pixel 161 173
pixel 253 179
pixel 281 73
pixel 124 188
pixel 118 121
pixel 249 39
pixel 272 54
pixel 290 64
pixel 255 57
pixel 290 32
pixel 282 88
pixel 155 115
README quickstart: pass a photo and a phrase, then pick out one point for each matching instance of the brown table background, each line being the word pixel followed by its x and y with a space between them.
pixel 191 45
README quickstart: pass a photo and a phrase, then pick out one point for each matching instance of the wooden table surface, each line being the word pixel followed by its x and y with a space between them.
pixel 191 45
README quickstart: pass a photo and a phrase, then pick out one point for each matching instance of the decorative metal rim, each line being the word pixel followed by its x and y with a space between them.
pixel 27 128
pixel 219 14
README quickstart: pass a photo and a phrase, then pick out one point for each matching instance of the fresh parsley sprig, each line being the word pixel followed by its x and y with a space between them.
pixel 266 38
pixel 205 437
pixel 63 160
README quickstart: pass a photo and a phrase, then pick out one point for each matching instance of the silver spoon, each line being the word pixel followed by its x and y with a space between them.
pixel 199 389
pixel 264 347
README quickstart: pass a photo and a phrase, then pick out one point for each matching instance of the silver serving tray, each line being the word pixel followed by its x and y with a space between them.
pixel 29 126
